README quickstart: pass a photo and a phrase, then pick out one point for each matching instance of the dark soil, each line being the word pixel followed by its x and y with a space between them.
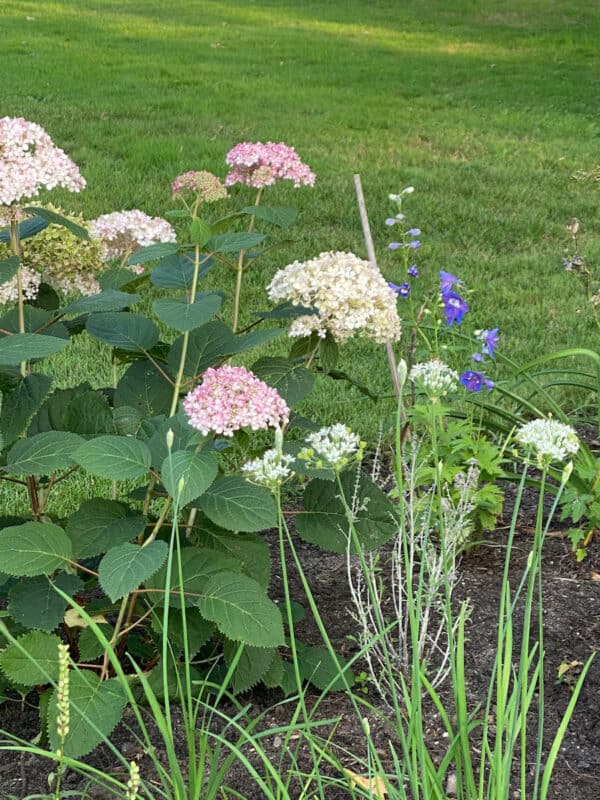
pixel 572 634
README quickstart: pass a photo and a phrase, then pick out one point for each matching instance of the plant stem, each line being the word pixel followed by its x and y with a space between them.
pixel 240 270
pixel 373 259
pixel 186 337
pixel 15 247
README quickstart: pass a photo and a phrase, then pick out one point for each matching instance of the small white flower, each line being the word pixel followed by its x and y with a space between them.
pixel 551 440
pixel 435 377
pixel 270 470
pixel 333 447
pixel 408 190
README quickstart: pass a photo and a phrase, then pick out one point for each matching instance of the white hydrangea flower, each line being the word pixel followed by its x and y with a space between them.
pixel 350 295
pixel 9 291
pixel 333 447
pixel 435 377
pixel 551 440
pixel 270 470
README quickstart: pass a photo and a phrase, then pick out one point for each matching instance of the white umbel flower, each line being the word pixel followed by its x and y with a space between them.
pixel 350 295
pixel 333 447
pixel 435 377
pixel 549 439
pixel 270 470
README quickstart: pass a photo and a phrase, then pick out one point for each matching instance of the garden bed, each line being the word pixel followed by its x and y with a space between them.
pixel 572 633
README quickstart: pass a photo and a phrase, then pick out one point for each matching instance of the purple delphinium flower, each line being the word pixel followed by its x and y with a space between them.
pixel 455 307
pixel 414 245
pixel 490 341
pixel 414 231
pixel 475 381
pixel 413 271
pixel 394 245
pixel 390 221
pixel 402 291
pixel 447 280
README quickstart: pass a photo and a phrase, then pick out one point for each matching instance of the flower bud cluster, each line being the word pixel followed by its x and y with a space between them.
pixel 349 294
pixel 230 398
pixel 133 784
pixel 259 165
pixel 435 377
pixel 334 446
pixel 549 439
pixel 271 470
pixel 9 292
pixel 124 232
pixel 203 185
pixel 30 161
pixel 62 693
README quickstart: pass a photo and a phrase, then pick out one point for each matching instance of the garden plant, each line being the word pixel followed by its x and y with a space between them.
pixel 153 594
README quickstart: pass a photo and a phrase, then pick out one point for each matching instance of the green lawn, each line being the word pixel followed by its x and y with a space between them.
pixel 490 109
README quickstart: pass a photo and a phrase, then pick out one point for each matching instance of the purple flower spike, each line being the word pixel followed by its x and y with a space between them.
pixel 490 341
pixel 475 381
pixel 455 307
pixel 414 231
pixel 448 280
pixel 394 245
pixel 413 271
pixel 402 291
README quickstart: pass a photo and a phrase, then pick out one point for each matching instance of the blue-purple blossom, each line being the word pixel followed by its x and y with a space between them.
pixel 413 271
pixel 455 307
pixel 447 280
pixel 394 245
pixel 490 341
pixel 402 291
pixel 414 245
pixel 475 381
pixel 391 221
pixel 414 231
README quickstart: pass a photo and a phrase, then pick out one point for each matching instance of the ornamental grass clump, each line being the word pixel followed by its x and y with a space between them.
pixel 350 296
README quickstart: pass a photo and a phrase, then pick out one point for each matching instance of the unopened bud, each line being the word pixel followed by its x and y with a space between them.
pixel 366 726
pixel 402 371
pixel 170 438
pixel 566 473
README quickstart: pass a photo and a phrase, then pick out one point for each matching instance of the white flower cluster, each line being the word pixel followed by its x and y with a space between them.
pixel 349 294
pixel 9 292
pixel 80 283
pixel 435 377
pixel 124 232
pixel 551 440
pixel 270 470
pixel 333 447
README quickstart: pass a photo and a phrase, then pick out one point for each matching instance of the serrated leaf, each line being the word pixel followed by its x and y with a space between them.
pixel 206 345
pixel 151 253
pixel 34 548
pixel 57 219
pixel 35 603
pixel 324 520
pixel 196 470
pixel 126 567
pixel 291 379
pixel 198 629
pixel 89 646
pixel 282 216
pixel 114 457
pixel 89 414
pixel 42 454
pixel 99 525
pixel 317 666
pixel 249 549
pixel 127 420
pixel 241 610
pixel 116 278
pixel 8 269
pixel 198 565
pixel 177 272
pixel 182 316
pixel 108 300
pixel 256 338
pixel 184 438
pixel 19 405
pixel 236 505
pixel 26 346
pixel 32 659
pixel 130 332
pixel 234 242
pixel 253 664
pixel 143 387
pixel 95 709
pixel 200 232
pixel 329 353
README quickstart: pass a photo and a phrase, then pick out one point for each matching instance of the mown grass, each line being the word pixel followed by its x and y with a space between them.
pixel 488 108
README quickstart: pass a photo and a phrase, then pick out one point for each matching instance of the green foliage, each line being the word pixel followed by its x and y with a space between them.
pixel 34 548
pixel 32 659
pixel 236 505
pixel 127 566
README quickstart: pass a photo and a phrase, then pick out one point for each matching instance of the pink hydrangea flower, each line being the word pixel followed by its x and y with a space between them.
pixel 124 232
pixel 30 161
pixel 230 398
pixel 257 164
pixel 206 186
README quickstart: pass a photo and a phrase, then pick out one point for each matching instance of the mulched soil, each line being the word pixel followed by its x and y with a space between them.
pixel 572 633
